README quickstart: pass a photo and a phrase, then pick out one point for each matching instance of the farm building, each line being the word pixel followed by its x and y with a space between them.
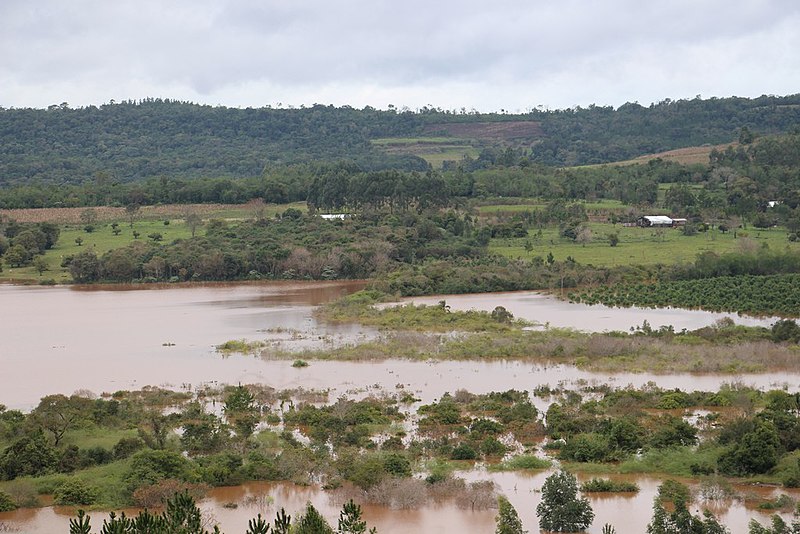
pixel 656 221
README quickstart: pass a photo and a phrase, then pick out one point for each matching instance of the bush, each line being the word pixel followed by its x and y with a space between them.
pixel 7 504
pixel 673 491
pixel 75 492
pixel 151 466
pixel 602 485
pixel 126 446
pixel 586 448
pixel 397 465
pixel 464 451
pixel 523 461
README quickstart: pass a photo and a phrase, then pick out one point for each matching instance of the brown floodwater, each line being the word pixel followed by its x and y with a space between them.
pixel 546 309
pixel 61 339
pixel 102 339
pixel 629 513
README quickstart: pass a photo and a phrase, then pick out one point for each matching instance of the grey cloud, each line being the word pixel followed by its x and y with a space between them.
pixel 215 48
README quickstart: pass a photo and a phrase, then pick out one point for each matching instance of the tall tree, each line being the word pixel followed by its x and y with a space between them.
pixel 561 510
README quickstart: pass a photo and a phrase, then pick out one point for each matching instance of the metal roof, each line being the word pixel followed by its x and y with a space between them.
pixel 658 219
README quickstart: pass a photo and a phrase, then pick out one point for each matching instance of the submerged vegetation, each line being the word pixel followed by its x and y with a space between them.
pixel 438 333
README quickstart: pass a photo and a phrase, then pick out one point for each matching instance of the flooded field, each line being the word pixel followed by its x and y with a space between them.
pixel 59 340
pixel 546 309
pixel 629 513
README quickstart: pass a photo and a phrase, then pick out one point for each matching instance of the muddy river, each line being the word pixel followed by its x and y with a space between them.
pixel 60 339
pixel 629 513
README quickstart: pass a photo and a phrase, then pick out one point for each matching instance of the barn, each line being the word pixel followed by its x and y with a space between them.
pixel 655 221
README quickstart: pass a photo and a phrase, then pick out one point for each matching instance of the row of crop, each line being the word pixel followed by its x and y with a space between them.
pixel 757 295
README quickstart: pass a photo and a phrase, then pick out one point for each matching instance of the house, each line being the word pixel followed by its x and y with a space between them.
pixel 655 221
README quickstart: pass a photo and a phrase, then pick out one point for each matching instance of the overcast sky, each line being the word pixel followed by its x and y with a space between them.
pixel 486 55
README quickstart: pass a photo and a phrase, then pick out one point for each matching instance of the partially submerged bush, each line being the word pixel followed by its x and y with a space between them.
pixel 75 492
pixel 602 485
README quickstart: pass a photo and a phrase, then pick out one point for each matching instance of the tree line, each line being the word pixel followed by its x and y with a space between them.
pixel 137 140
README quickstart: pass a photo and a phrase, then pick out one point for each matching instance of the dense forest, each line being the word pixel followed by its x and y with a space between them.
pixel 137 140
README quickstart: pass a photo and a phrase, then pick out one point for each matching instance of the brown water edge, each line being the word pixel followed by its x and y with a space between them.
pixel 629 513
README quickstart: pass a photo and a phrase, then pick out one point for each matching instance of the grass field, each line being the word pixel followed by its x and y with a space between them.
pixel 434 150
pixel 102 239
pixel 638 246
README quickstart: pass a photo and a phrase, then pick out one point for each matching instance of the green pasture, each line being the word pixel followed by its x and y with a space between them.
pixel 434 150
pixel 637 246
pixel 436 157
pixel 102 239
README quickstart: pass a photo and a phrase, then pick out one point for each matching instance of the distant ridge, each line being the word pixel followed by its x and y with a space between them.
pixel 132 141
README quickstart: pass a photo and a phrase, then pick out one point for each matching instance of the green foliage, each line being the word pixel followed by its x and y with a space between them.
pixel 7 504
pixel 602 485
pixel 759 295
pixel 257 525
pixel 150 466
pixel 757 451
pixel 181 516
pixel 75 492
pixel 673 491
pixel 507 519
pixel 681 521
pixel 30 455
pixel 786 330
pixel 311 522
pixel 521 462
pixel 777 526
pixel 350 521
pixel 561 510
pixel 241 411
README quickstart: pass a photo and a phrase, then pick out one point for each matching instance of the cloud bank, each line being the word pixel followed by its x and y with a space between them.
pixel 480 55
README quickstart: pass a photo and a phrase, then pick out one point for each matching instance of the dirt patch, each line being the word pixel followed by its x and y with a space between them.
pixel 507 130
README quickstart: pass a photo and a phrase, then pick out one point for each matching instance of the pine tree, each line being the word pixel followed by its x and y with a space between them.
pixel 561 510
pixel 508 521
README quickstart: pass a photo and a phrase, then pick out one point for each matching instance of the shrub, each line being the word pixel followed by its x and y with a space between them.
pixel 464 451
pixel 126 446
pixel 7 504
pixel 397 465
pixel 602 485
pixel 673 491
pixel 151 466
pixel 523 461
pixel 75 492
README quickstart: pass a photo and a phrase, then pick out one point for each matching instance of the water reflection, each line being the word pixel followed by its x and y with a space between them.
pixel 629 513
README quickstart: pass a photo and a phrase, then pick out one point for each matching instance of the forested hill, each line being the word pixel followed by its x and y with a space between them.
pixel 132 141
